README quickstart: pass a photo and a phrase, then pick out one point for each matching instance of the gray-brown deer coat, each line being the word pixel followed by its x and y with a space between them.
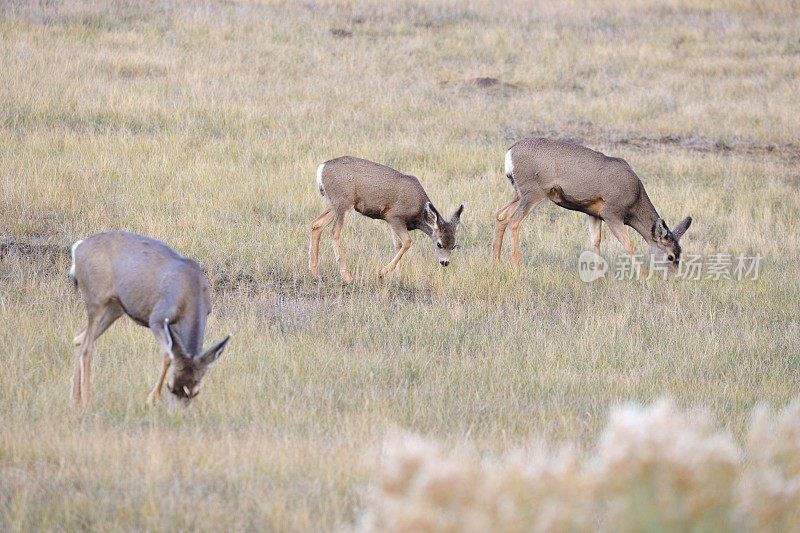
pixel 379 192
pixel 120 273
pixel 581 179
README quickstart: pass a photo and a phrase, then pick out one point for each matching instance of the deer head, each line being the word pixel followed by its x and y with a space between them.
pixel 443 232
pixel 188 370
pixel 666 242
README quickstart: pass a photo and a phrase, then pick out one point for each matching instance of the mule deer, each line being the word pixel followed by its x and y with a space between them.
pixel 121 273
pixel 578 178
pixel 377 191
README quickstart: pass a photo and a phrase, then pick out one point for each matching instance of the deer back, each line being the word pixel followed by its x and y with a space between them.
pixel 147 278
pixel 374 190
pixel 574 176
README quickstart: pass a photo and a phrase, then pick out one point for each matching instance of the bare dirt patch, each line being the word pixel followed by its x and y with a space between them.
pixel 589 134
pixel 22 261
pixel 485 84
pixel 49 258
pixel 224 281
pixel 341 33
pixel 411 295
pixel 695 143
pixel 294 313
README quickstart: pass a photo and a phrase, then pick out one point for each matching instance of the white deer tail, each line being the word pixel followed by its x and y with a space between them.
pixel 509 167
pixel 72 267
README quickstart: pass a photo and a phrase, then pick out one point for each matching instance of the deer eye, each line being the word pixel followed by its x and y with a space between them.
pixel 670 258
pixel 438 245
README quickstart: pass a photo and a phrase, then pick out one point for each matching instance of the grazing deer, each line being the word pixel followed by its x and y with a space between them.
pixel 121 273
pixel 578 178
pixel 377 191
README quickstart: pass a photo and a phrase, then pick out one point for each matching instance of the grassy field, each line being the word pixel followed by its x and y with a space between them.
pixel 202 124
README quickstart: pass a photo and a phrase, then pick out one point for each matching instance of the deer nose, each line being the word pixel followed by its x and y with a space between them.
pixel 444 262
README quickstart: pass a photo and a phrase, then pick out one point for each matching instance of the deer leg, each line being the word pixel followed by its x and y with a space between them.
pixel 337 249
pixel 500 226
pixel 79 337
pixel 82 376
pixel 84 341
pixel 111 314
pixel 508 209
pixel 76 378
pixel 595 226
pixel 619 231
pixel 76 372
pixel 396 241
pixel 109 317
pixel 156 392
pixel 516 225
pixel 317 226
pixel 157 328
pixel 405 245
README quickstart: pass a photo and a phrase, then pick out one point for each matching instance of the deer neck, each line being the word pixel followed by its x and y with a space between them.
pixel 426 228
pixel 422 224
pixel 642 216
pixel 191 330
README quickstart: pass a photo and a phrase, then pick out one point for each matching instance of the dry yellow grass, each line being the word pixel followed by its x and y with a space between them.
pixel 202 124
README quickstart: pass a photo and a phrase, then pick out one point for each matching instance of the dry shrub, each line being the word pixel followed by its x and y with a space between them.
pixel 654 468
pixel 423 487
pixel 658 467
pixel 769 487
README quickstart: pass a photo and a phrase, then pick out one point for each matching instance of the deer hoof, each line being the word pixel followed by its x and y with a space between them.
pixel 347 277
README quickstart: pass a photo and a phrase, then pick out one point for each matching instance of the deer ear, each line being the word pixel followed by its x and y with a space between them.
pixel 681 228
pixel 168 336
pixel 213 353
pixel 431 215
pixel 660 230
pixel 168 333
pixel 174 344
pixel 456 218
